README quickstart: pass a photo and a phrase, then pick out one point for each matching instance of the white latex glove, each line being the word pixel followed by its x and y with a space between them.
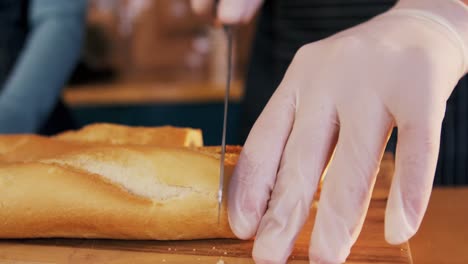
pixel 344 95
pixel 229 11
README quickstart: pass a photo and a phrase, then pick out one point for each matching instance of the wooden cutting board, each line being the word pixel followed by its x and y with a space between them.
pixel 370 247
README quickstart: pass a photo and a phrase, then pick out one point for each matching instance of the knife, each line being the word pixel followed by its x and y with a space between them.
pixel 228 32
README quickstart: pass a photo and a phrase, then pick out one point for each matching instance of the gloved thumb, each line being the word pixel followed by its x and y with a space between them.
pixel 228 11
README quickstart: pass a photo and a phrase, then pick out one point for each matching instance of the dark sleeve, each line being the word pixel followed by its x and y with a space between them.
pixel 50 52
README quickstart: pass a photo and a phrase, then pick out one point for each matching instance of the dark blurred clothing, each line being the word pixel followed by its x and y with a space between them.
pixel 286 25
pixel 40 43
pixel 13 31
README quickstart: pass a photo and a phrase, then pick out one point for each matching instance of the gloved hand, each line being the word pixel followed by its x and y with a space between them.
pixel 229 11
pixel 338 103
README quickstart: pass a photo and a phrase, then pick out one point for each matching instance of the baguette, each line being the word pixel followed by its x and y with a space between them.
pixel 29 147
pixel 164 136
pixel 24 148
pixel 115 192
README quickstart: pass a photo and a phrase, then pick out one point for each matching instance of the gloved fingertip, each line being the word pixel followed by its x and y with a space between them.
pixel 242 225
pixel 313 259
pixel 400 224
pixel 266 256
pixel 397 229
pixel 230 12
pixel 201 6
pixel 399 237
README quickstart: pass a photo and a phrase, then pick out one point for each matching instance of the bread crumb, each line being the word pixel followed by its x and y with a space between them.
pixel 194 249
pixel 220 261
pixel 164 260
pixel 169 249
pixel 213 248
pixel 175 249
pixel 225 252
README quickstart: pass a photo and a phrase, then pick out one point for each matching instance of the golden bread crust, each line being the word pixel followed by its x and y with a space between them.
pixel 51 187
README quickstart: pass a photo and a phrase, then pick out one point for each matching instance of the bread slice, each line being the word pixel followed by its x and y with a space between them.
pixel 164 136
pixel 67 189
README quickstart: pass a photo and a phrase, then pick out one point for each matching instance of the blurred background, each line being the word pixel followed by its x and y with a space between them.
pixel 153 62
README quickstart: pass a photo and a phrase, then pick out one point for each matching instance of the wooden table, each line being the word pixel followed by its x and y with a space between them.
pixel 443 236
pixel 370 247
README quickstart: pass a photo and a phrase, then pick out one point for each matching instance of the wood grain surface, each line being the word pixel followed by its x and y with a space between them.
pixel 370 247
pixel 443 235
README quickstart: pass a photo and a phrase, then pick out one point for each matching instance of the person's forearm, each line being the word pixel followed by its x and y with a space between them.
pixel 48 57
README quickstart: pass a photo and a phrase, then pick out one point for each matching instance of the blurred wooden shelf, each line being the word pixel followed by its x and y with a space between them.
pixel 150 93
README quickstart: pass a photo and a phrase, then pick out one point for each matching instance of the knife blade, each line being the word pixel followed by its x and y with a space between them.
pixel 228 32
